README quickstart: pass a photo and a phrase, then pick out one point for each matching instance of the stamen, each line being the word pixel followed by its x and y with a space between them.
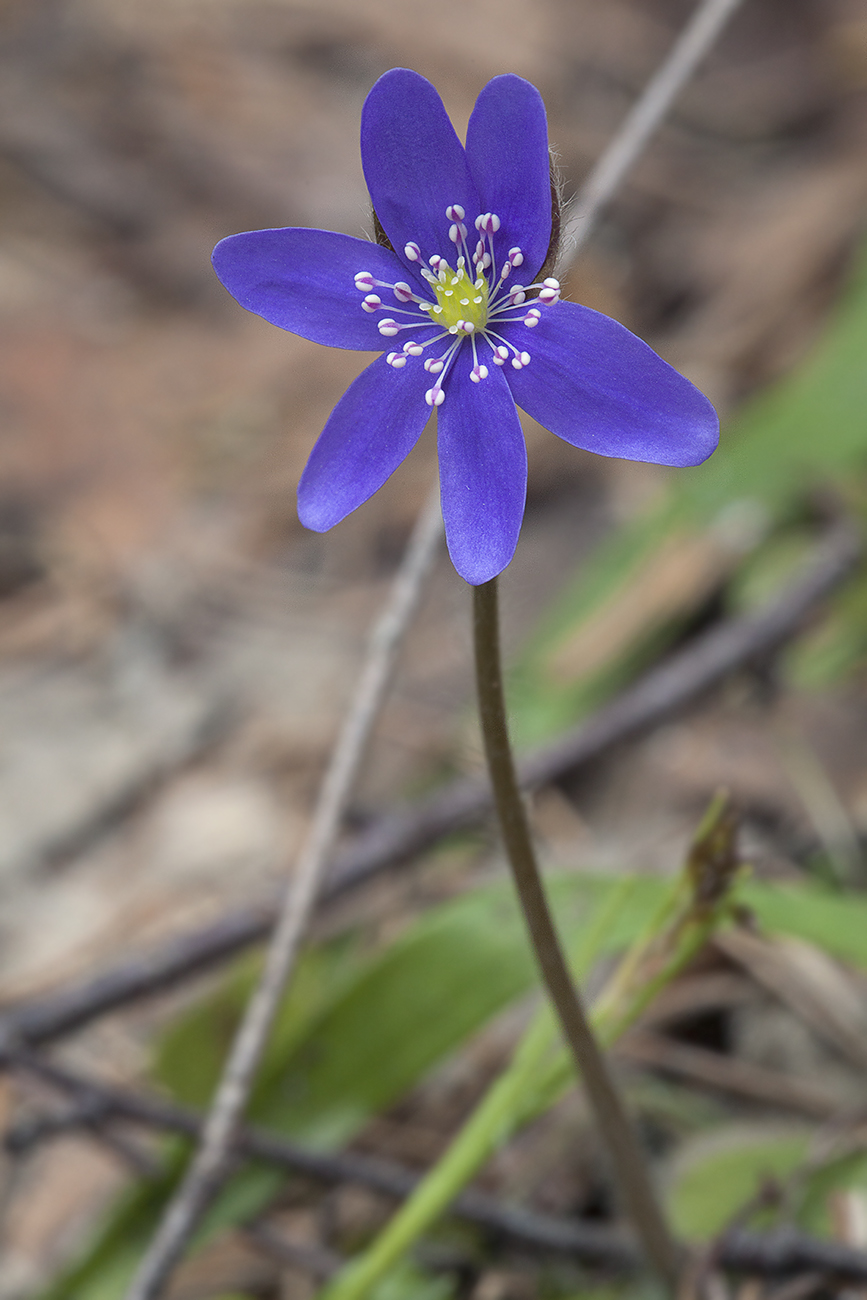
pixel 364 281
pixel 550 291
pixel 402 291
pixel 372 302
pixel 434 397
pixel 412 252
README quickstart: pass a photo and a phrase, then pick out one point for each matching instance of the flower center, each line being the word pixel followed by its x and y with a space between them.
pixel 461 303
pixel 470 313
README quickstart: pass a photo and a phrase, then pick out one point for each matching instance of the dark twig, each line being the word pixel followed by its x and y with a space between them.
pixel 396 837
pixel 314 1260
pixel 591 1242
pixel 780 1253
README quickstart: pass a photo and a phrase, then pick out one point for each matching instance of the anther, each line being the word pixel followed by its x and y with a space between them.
pixel 457 233
pixel 434 397
pixel 516 257
pixel 388 327
pixel 533 317
pixel 433 366
pixel 396 360
pixel 372 302
pixel 478 373
pixel 402 291
pixel 550 291
pixel 455 212
pixel 412 252
pixel 364 280
pixel 517 296
pixel 413 349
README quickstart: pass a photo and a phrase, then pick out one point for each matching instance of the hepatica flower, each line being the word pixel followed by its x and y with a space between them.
pixel 469 322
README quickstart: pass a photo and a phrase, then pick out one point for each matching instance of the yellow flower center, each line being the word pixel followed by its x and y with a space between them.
pixel 460 302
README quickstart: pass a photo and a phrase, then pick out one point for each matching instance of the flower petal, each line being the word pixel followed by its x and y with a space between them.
pixel 372 428
pixel 483 472
pixel 414 163
pixel 507 149
pixel 596 385
pixel 303 281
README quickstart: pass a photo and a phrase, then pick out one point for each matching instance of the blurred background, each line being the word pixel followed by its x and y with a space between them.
pixel 175 649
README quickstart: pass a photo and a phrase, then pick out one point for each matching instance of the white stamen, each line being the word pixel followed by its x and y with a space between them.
pixel 433 366
pixel 413 349
pixel 516 257
pixel 412 252
pixel 517 296
pixel 455 212
pixel 388 327
pixel 457 233
pixel 364 280
pixel 402 292
pixel 550 291
pixel 532 318
pixel 372 302
pixel 399 360
pixel 434 397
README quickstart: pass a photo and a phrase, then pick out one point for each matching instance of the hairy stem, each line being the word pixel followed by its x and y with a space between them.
pixel 629 1166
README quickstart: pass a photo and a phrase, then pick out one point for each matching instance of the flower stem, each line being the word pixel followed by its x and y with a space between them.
pixel 630 1169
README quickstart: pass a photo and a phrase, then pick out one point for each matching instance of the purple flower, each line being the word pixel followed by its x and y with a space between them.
pixel 472 332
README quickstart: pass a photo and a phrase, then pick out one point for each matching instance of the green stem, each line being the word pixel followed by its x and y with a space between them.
pixel 630 1169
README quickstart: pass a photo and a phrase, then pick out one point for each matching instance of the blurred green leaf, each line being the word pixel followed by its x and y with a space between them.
pixel 846 1172
pixel 715 1176
pixel 831 920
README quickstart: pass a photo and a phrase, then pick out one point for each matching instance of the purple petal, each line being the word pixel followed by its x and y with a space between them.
pixel 596 385
pixel 414 163
pixel 372 428
pixel 507 149
pixel 483 472
pixel 303 281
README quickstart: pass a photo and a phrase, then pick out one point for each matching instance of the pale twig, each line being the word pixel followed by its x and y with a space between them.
pixel 691 47
pixel 207 1169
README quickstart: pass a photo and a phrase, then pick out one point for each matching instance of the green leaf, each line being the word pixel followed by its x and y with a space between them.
pixel 832 921
pixel 715 1176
